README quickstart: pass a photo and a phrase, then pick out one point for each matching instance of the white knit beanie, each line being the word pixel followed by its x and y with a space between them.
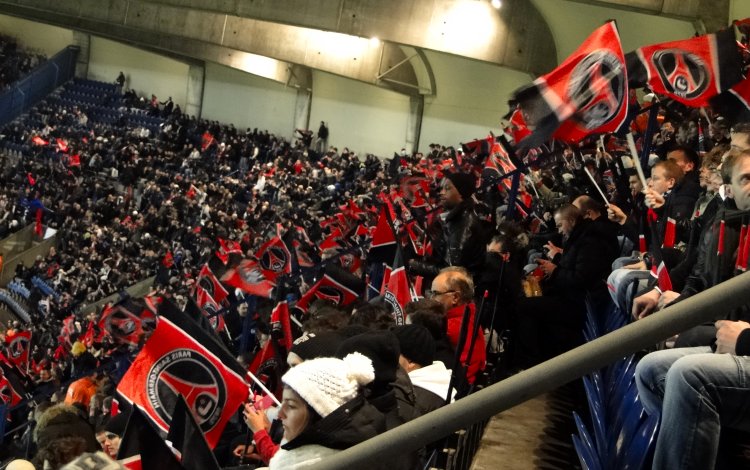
pixel 326 383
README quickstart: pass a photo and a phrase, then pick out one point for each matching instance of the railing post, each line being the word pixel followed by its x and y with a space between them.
pixel 701 308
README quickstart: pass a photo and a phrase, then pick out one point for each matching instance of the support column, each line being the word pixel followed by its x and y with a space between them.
pixel 302 109
pixel 414 123
pixel 194 95
pixel 83 41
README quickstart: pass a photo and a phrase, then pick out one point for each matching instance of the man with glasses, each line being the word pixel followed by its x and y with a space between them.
pixel 453 287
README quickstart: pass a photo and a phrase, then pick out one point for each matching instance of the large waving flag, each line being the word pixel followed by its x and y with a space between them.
pixel 691 71
pixel 18 349
pixel 249 278
pixel 211 284
pixel 586 94
pixel 328 288
pixel 128 321
pixel 274 258
pixel 180 358
pixel 397 291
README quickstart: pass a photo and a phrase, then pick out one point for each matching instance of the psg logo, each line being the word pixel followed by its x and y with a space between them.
pixel 274 259
pixel 681 72
pixel 208 286
pixel 398 312
pixel 329 293
pixel 187 373
pixel 597 86
pixel 17 346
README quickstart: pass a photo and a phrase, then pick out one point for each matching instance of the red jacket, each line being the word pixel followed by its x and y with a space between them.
pixel 478 358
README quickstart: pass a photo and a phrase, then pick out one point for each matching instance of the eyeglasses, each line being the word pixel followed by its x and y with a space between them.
pixel 431 294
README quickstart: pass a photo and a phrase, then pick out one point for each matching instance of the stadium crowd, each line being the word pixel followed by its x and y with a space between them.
pixel 510 266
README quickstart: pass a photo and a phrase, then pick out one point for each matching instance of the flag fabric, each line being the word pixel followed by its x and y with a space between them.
pixel 12 388
pixel 128 321
pixel 734 104
pixel 142 448
pixel 280 321
pixel 180 358
pixel 210 309
pixel 188 440
pixel 498 163
pixel 670 233
pixel 398 291
pixel 18 349
pixel 328 288
pixel 519 130
pixel 249 278
pixel 268 366
pixel 663 281
pixel 75 160
pixel 691 71
pixel 211 284
pixel 274 258
pixel 586 94
pixel 227 248
pixel 383 245
pixel 38 223
pixel 36 140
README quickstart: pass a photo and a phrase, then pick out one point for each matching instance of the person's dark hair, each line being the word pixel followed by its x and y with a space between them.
pixel 60 452
pixel 326 319
pixel 430 314
pixel 367 313
pixel 690 154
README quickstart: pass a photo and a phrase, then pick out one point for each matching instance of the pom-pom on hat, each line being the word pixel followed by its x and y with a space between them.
pixel 327 383
pixel 464 183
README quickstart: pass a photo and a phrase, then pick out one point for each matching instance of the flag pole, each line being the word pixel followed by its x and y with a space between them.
pixel 263 387
pixel 636 160
pixel 593 181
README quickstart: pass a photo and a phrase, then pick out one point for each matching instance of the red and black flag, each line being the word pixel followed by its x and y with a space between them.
pixel 226 249
pixel 12 388
pixel 210 309
pixel 18 348
pixel 188 440
pixel 211 284
pixel 397 291
pixel 249 278
pixel 328 288
pixel 142 448
pixel 383 245
pixel 180 358
pixel 660 273
pixel 586 94
pixel 274 258
pixel 280 321
pixel 691 71
pixel 128 321
pixel 498 164
pixel 734 104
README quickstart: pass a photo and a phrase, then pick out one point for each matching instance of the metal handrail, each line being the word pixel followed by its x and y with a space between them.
pixel 701 308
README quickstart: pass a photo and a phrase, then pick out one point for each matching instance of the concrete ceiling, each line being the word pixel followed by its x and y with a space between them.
pixel 328 35
pixel 707 15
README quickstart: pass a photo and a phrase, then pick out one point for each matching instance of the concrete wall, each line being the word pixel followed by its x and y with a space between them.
pixel 739 9
pixel 49 39
pixel 146 72
pixel 471 97
pixel 230 95
pixel 365 118
pixel 572 22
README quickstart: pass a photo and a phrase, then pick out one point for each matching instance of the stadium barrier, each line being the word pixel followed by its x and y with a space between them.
pixel 463 414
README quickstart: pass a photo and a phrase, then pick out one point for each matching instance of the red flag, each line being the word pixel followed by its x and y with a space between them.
pixel 75 160
pixel 642 243
pixel 691 71
pixel 518 128
pixel 32 180
pixel 128 321
pixel 662 277
pixel 36 140
pixel 17 348
pixel 226 248
pixel 206 140
pixel 329 289
pixel 210 309
pixel 208 282
pixel 12 389
pixel 249 278
pixel 181 359
pixel 38 224
pixel 334 240
pixel 397 291
pixel 274 258
pixel 386 276
pixel 280 320
pixel 669 233
pixel 168 260
pixel 586 94
pixel 62 145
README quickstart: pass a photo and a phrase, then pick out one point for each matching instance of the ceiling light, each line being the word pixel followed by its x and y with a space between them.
pixel 496 3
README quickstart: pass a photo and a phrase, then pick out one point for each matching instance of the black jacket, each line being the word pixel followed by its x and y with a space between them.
pixel 459 240
pixel 583 266
pixel 348 425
